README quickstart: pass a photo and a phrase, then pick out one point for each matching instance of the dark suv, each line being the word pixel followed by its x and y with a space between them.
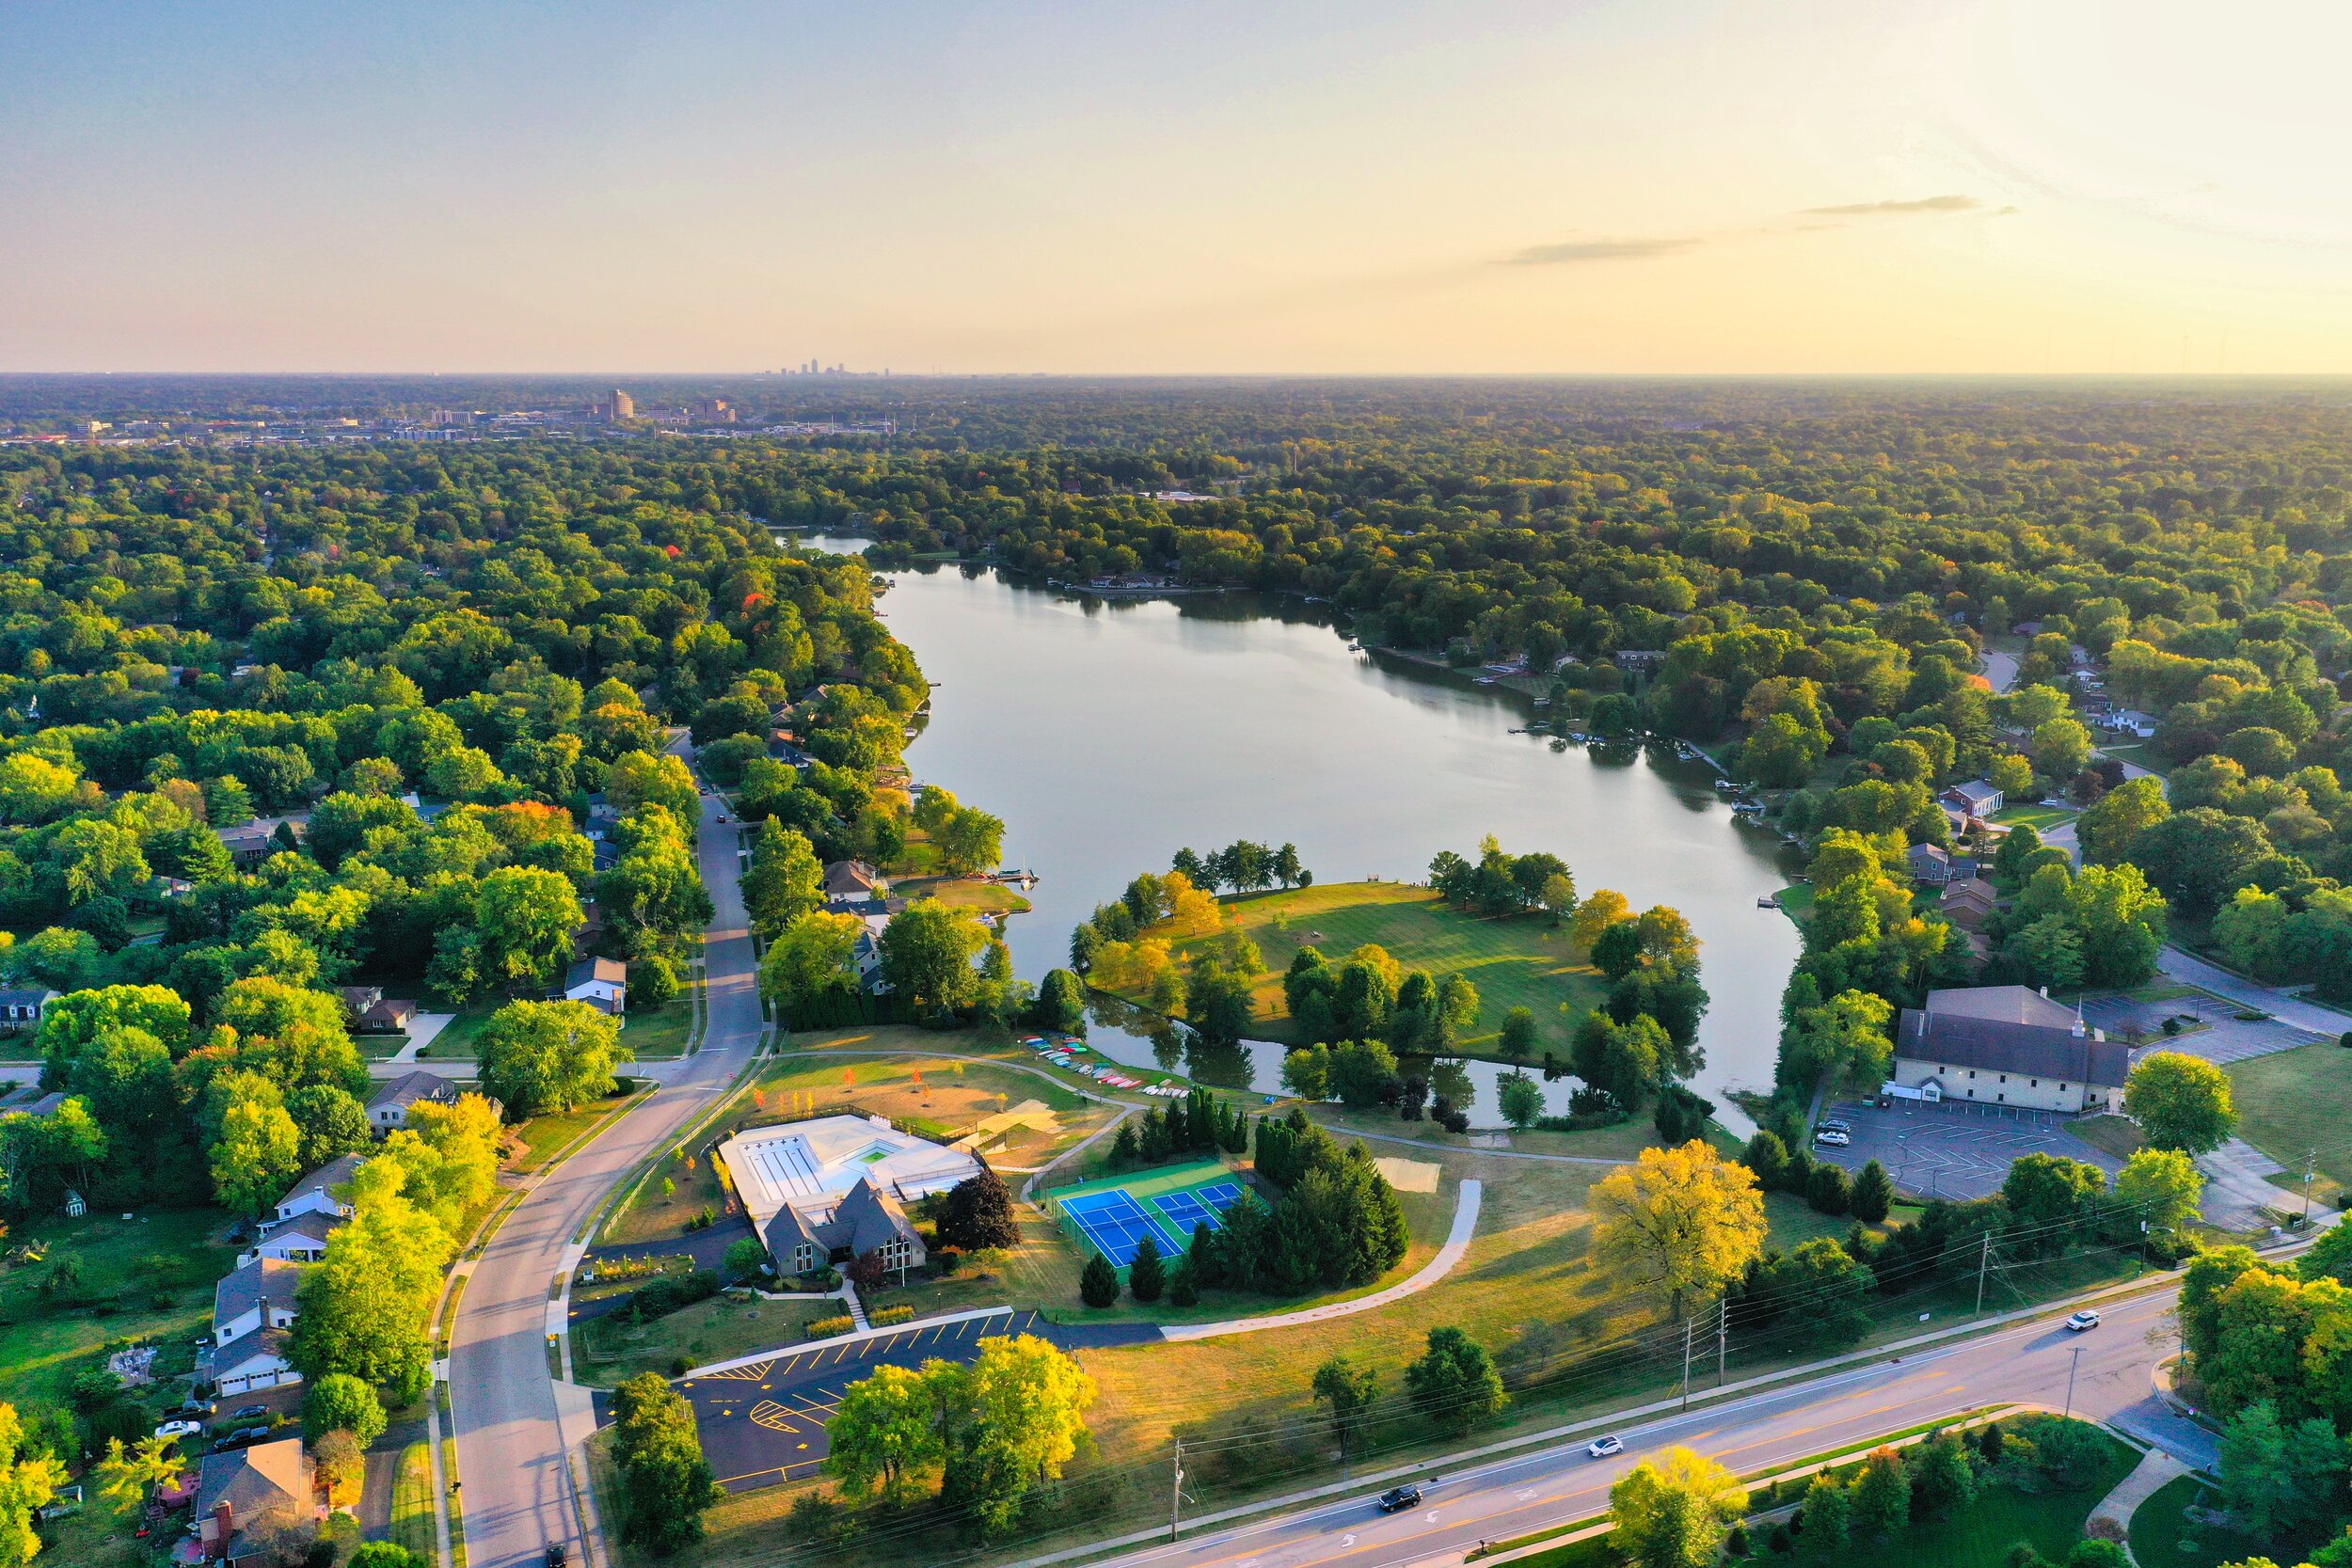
pixel 1396 1499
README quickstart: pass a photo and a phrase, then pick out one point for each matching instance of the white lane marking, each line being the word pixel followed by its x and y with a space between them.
pixel 1528 1495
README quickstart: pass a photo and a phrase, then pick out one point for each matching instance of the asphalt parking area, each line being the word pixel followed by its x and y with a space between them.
pixel 1953 1150
pixel 763 1419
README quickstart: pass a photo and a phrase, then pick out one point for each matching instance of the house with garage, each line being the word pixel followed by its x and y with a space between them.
pixel 252 1503
pixel 316 1194
pixel 389 1105
pixel 602 983
pixel 836 1187
pixel 262 1359
pixel 1976 799
pixel 258 1296
pixel 2007 1045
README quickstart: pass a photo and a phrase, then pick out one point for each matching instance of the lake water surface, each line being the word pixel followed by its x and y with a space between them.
pixel 1109 733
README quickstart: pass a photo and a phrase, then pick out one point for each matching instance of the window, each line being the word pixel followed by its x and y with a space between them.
pixel 2004 1078
pixel 2034 1083
pixel 1971 1072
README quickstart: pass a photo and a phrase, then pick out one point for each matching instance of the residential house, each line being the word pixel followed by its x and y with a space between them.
pixel 1933 866
pixel 359 999
pixel 249 1500
pixel 389 1105
pixel 2007 1045
pixel 1970 903
pixel 1978 797
pixel 602 983
pixel 258 1296
pixel 21 1006
pixel 2131 721
pixel 300 1240
pixel 388 1017
pixel 315 1193
pixel 248 846
pixel 262 1359
pixel 850 881
pixel 1639 660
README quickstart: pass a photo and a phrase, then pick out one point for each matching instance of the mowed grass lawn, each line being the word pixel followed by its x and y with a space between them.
pixel 1522 961
pixel 2296 1100
pixel 605 1351
pixel 2163 1535
pixel 149 1278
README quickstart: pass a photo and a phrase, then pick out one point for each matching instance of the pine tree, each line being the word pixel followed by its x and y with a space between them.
pixel 1873 1194
pixel 1147 1276
pixel 1098 1282
pixel 1184 1285
pixel 1205 1255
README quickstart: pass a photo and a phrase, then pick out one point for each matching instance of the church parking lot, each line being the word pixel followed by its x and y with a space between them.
pixel 1953 1151
pixel 763 1419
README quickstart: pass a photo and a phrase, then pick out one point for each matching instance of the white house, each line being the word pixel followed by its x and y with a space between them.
pixel 299 1240
pixel 259 1296
pixel 21 1006
pixel 259 1360
pixel 315 1193
pixel 389 1105
pixel 2131 721
pixel 602 983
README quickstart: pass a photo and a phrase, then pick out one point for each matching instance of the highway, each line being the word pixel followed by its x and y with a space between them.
pixel 2028 1364
pixel 516 1493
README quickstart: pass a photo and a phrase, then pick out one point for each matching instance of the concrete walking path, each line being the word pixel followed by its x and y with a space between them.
pixel 1456 1242
pixel 2156 1467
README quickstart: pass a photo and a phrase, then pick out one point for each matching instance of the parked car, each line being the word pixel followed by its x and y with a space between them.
pixel 1601 1447
pixel 2082 1319
pixel 557 1556
pixel 1396 1499
pixel 1836 1124
pixel 237 1439
pixel 179 1429
pixel 246 1412
pixel 1830 1137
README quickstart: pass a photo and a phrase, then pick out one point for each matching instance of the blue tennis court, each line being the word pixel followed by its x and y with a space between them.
pixel 1219 1197
pixel 1183 1212
pixel 1116 1224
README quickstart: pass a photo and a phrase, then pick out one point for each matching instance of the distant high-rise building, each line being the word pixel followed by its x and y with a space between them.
pixel 616 405
pixel 712 410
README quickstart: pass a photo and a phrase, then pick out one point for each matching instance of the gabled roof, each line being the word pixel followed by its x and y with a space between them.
pixel 867 1218
pixel 273 1344
pixel 1998 1045
pixel 309 1224
pixel 786 1229
pixel 269 1282
pixel 1975 791
pixel 848 879
pixel 256 1483
pixel 611 971
pixel 411 1087
pixel 324 1180
pixel 2008 1003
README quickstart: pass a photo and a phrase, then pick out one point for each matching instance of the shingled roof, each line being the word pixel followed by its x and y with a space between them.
pixel 2001 1045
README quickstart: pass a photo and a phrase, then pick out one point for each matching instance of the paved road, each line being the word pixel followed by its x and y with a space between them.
pixel 2000 668
pixel 2025 1365
pixel 2194 971
pixel 518 1492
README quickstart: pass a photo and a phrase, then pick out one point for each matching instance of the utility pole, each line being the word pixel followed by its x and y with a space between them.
pixel 2071 1366
pixel 1688 1326
pixel 1985 1261
pixel 2310 1160
pixel 1176 1493
pixel 1723 1338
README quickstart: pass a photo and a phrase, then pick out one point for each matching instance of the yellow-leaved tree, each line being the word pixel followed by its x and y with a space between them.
pixel 1684 1222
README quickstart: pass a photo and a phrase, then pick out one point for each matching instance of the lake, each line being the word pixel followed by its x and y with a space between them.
pixel 1109 733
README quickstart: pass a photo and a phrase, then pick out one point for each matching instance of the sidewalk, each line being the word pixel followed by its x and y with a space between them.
pixel 2116 1508
pixel 1456 1242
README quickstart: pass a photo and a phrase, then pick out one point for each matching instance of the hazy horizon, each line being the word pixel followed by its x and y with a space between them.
pixel 1495 188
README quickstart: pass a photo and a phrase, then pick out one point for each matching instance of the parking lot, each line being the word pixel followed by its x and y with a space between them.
pixel 1953 1150
pixel 763 1419
pixel 2224 1038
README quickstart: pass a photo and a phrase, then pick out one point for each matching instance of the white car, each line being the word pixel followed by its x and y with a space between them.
pixel 2082 1319
pixel 180 1428
pixel 1831 1137
pixel 1601 1447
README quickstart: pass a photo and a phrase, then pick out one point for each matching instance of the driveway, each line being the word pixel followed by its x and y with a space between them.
pixel 1955 1150
pixel 2193 971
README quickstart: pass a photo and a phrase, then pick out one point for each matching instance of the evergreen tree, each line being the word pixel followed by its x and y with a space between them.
pixel 1147 1275
pixel 1098 1282
pixel 1873 1194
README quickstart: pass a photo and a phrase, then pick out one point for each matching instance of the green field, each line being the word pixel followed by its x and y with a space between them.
pixel 2036 817
pixel 412 1500
pixel 653 1033
pixel 1521 961
pixel 2295 1101
pixel 605 1351
pixel 147 1278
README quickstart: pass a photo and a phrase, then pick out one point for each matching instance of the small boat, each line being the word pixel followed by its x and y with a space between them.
pixel 1768 902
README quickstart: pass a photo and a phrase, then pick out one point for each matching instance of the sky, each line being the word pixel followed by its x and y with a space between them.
pixel 1226 186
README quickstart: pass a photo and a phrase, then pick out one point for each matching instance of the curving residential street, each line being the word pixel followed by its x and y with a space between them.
pixel 516 1488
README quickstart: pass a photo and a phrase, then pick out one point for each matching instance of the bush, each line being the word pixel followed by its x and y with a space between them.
pixel 889 1315
pixel 665 1296
pixel 826 1328
pixel 1827 1190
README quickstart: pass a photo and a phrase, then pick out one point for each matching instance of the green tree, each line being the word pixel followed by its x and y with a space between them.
pixel 128 1477
pixel 970 840
pixel 548 1055
pixel 1673 1512
pixel 1455 1382
pixel 2181 1102
pixel 927 955
pixel 340 1403
pixel 259 1152
pixel 1522 1099
pixel 28 1481
pixel 1098 1282
pixel 783 881
pixel 1828 1509
pixel 1061 1003
pixel 526 918
pixel 1350 1390
pixel 1873 1194
pixel 1147 1275
pixel 366 1306
pixel 2278 1476
pixel 665 1483
pixel 2160 1188
pixel 2110 828
pixel 885 1431
pixel 1518 1034
pixel 1881 1494
pixel 812 959
pixel 1943 1479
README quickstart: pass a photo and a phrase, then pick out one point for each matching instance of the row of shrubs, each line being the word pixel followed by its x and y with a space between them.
pixel 826 1328
pixel 890 1316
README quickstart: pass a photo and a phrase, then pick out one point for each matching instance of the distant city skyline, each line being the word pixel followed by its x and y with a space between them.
pixel 1488 186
